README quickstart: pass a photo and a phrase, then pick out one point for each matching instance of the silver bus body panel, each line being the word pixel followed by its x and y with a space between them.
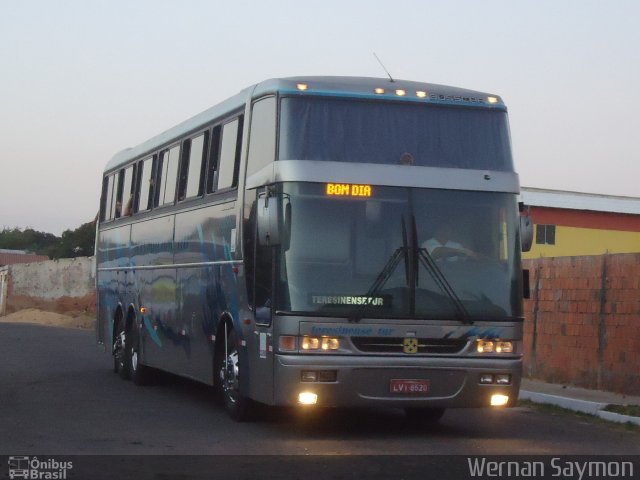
pixel 384 175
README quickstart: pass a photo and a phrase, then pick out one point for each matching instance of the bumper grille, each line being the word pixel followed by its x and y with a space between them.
pixel 396 345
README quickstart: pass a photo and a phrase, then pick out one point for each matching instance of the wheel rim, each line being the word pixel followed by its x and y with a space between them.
pixel 134 360
pixel 118 348
pixel 229 376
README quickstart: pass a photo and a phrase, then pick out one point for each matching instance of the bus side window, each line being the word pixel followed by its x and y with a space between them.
pixel 230 154
pixel 191 170
pixel 168 176
pixel 262 142
pixel 105 202
pixel 214 157
pixel 127 192
pixel 116 200
pixel 143 185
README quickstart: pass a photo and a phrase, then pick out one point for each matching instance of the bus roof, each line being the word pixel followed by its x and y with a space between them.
pixel 348 87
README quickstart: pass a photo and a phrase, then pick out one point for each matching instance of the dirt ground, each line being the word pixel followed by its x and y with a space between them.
pixel 52 319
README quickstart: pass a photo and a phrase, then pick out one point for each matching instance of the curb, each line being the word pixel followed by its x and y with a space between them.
pixel 584 406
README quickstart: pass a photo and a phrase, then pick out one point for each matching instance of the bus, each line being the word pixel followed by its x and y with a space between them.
pixel 321 242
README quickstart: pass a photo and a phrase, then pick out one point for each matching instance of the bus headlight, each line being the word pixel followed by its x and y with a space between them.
pixel 320 343
pixel 494 346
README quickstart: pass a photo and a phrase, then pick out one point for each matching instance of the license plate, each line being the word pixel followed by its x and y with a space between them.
pixel 409 386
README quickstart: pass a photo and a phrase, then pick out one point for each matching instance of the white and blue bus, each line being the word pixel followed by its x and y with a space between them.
pixel 327 241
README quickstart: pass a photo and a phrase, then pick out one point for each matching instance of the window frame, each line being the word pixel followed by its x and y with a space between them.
pixel 160 170
pixel 237 154
pixel 185 166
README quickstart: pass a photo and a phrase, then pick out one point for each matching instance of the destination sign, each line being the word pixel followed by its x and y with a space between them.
pixel 362 300
pixel 348 190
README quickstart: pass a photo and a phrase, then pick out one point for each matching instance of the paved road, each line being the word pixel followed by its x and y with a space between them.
pixel 58 396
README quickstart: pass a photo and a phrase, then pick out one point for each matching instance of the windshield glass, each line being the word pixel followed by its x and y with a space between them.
pixel 385 255
pixel 383 132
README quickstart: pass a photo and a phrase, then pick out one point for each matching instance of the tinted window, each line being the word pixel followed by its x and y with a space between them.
pixel 169 175
pixel 108 197
pixel 213 159
pixel 392 133
pixel 127 191
pixel 116 199
pixel 262 142
pixel 194 166
pixel 229 155
pixel 144 187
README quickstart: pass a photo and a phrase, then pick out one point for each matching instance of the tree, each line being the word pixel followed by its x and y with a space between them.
pixel 73 243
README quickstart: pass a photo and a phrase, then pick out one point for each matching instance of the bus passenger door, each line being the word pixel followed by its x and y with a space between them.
pixel 261 341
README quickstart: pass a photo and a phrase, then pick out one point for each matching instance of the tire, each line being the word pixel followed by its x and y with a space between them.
pixel 229 370
pixel 140 374
pixel 120 362
pixel 424 416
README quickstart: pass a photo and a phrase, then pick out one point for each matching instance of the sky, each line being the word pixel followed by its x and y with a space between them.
pixel 82 80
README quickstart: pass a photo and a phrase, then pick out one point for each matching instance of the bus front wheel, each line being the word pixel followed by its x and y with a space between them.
pixel 229 371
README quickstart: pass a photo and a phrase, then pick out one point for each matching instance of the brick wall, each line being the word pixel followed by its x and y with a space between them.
pixel 582 322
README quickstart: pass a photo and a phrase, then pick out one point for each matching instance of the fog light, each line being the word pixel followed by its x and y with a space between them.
pixel 328 376
pixel 503 379
pixel 486 378
pixel 499 400
pixel 307 398
pixel 309 376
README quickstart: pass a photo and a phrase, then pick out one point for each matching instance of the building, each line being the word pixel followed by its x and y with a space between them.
pixel 11 257
pixel 573 224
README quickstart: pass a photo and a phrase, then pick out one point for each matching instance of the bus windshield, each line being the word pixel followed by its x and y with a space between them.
pixel 384 253
pixel 382 132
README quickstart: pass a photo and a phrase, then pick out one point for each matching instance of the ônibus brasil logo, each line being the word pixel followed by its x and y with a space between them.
pixel 33 468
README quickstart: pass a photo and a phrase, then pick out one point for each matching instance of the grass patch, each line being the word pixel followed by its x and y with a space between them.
pixel 551 409
pixel 631 410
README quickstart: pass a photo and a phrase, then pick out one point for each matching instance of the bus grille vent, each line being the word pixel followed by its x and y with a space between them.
pixel 396 345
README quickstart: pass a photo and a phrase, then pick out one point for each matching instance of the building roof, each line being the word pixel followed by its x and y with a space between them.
pixel 538 197
pixel 19 257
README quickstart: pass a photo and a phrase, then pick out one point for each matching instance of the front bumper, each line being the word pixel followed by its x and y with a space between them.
pixel 365 381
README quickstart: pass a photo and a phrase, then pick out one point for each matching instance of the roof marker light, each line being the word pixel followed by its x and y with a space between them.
pixel 302 87
pixel 492 99
pixel 379 91
pixel 401 93
pixel 421 94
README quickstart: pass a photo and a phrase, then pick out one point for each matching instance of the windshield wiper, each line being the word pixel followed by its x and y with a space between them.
pixel 441 281
pixel 386 273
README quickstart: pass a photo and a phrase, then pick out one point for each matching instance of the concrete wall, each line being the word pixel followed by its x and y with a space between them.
pixel 57 285
pixel 582 322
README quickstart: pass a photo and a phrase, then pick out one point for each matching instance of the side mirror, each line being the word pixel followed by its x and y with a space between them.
pixel 526 229
pixel 269 220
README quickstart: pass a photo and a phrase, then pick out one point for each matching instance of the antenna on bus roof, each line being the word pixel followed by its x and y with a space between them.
pixel 384 68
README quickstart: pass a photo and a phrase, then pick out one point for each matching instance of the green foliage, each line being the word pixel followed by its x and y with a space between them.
pixel 72 243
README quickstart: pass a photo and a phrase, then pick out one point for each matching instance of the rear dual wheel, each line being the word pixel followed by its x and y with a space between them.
pixel 126 355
